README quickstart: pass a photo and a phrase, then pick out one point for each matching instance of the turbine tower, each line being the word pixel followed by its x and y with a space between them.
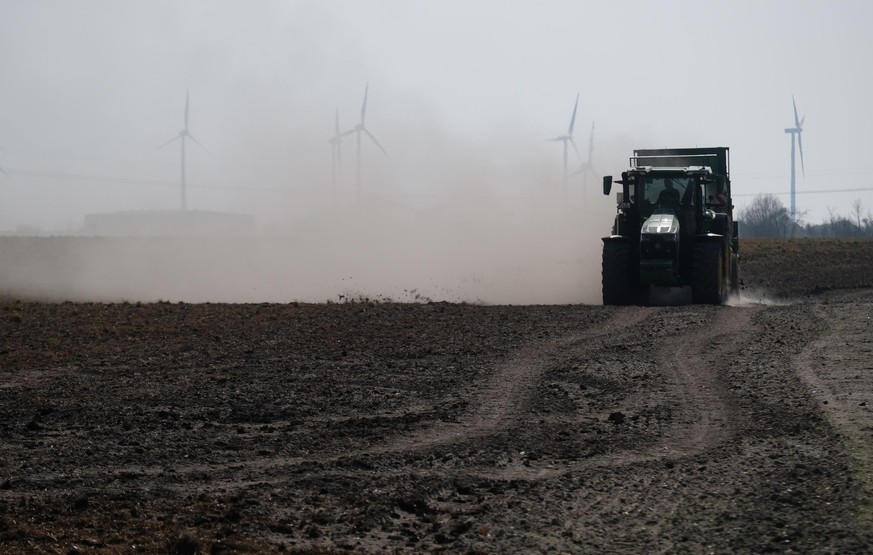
pixel 357 130
pixel 588 167
pixel 795 132
pixel 184 134
pixel 568 138
pixel 336 153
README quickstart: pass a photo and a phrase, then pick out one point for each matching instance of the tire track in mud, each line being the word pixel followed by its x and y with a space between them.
pixel 694 361
pixel 502 399
pixel 703 416
pixel 514 382
pixel 837 366
pixel 700 400
pixel 495 401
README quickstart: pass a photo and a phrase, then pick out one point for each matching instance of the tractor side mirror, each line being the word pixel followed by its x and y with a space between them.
pixel 607 184
pixel 704 211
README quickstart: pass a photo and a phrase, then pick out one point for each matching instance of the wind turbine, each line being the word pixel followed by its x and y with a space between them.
pixel 568 138
pixel 357 130
pixel 795 132
pixel 184 134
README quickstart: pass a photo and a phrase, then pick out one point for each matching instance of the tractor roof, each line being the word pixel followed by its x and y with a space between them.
pixel 687 170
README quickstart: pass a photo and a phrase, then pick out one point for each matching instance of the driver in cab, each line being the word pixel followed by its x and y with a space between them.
pixel 669 197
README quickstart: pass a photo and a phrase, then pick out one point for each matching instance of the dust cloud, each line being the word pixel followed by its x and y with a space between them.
pixel 469 204
pixel 753 297
pixel 452 222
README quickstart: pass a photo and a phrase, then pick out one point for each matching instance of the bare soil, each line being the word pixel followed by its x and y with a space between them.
pixel 385 427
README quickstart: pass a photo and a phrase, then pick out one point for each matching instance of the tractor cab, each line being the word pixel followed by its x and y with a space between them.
pixel 657 191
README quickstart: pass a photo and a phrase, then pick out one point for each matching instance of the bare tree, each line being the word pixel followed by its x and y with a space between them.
pixel 856 211
pixel 841 226
pixel 766 216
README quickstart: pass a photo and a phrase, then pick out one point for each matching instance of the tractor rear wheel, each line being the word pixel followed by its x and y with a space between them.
pixel 708 284
pixel 616 275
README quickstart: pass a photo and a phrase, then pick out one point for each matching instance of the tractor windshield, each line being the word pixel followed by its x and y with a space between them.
pixel 665 193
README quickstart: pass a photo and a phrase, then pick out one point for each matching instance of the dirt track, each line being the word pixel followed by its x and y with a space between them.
pixel 427 427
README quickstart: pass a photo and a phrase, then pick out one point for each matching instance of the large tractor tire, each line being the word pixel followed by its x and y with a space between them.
pixel 709 284
pixel 618 285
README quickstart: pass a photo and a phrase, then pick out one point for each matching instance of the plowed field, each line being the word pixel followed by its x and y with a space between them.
pixel 387 427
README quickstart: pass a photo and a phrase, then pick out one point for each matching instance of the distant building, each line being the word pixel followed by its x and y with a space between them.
pixel 175 223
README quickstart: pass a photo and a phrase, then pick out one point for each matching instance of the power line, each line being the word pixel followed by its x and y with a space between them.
pixel 102 179
pixel 755 176
pixel 817 192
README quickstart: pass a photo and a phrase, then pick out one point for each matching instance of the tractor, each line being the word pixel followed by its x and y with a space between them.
pixel 673 228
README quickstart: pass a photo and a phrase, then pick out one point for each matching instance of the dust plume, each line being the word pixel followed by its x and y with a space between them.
pixel 443 219
pixel 753 297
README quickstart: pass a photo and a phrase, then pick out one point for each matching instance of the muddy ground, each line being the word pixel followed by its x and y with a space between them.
pixel 380 427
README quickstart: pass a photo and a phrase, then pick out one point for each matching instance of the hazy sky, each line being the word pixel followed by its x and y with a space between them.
pixel 463 95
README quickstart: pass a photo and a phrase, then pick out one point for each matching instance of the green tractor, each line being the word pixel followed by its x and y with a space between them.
pixel 674 227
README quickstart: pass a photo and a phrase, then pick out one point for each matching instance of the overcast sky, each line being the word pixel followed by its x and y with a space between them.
pixel 463 95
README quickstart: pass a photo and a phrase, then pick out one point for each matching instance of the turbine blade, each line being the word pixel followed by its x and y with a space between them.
pixel 573 118
pixel 796 119
pixel 186 109
pixel 4 172
pixel 336 127
pixel 339 154
pixel 591 143
pixel 800 148
pixel 198 144
pixel 385 152
pixel 364 105
pixel 803 119
pixel 170 141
